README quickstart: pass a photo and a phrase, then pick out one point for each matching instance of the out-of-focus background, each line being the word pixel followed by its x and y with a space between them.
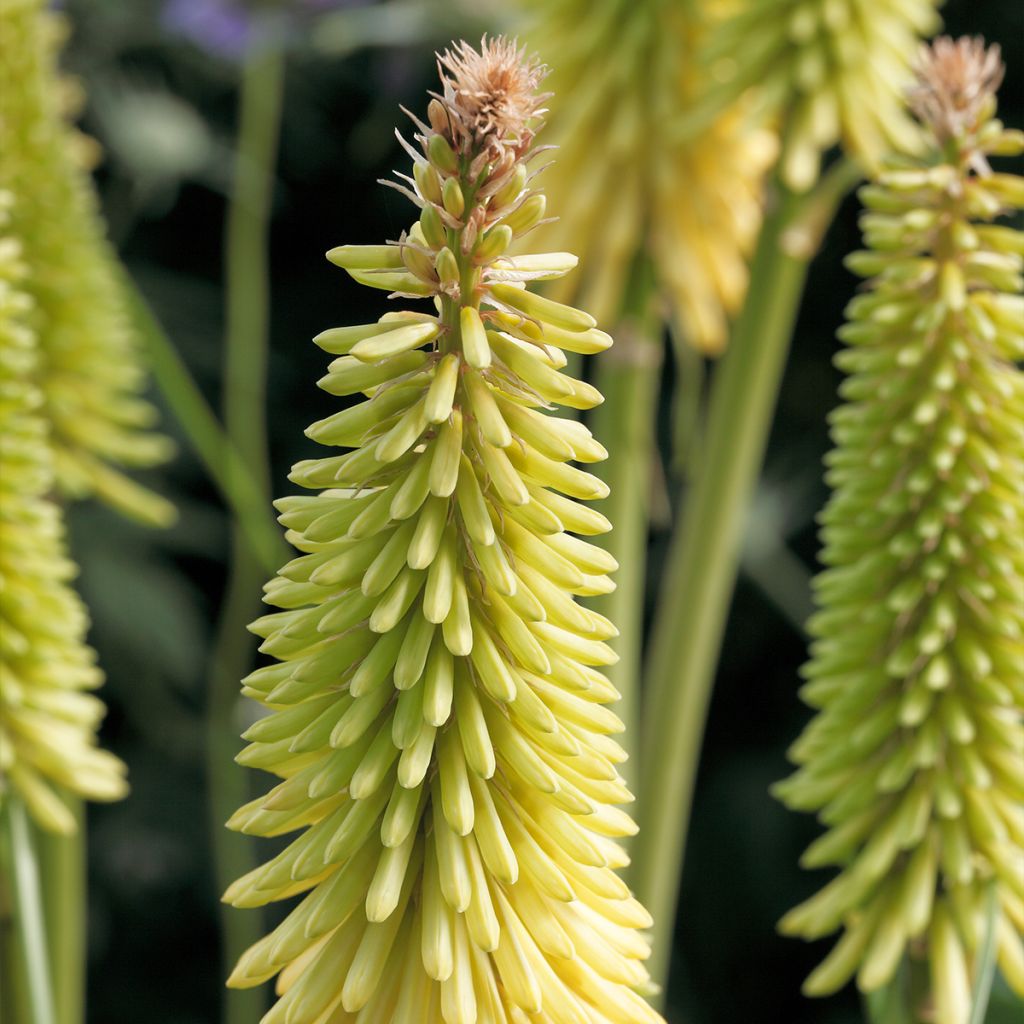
pixel 161 78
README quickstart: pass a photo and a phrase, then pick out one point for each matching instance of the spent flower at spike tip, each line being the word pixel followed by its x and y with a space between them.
pixel 47 720
pixel 833 70
pixel 913 761
pixel 90 369
pixel 627 73
pixel 437 715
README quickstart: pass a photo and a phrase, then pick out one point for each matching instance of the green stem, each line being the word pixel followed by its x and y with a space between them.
pixel 986 969
pixel 628 376
pixel 62 861
pixel 700 572
pixel 30 952
pixel 894 1003
pixel 219 456
pixel 244 402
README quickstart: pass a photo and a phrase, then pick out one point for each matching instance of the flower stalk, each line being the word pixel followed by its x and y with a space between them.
pixel 31 954
pixel 62 867
pixel 245 372
pixel 701 566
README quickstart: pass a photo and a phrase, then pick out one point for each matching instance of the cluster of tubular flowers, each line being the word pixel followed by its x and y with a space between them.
pixel 437 713
pixel 90 371
pixel 914 760
pixel 835 70
pixel 627 73
pixel 47 724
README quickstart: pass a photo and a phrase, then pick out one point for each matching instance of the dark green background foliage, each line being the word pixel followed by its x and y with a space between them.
pixel 163 111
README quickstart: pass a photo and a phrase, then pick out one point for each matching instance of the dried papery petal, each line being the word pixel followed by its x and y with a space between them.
pixel 954 94
pixel 913 760
pixel 436 708
pixel 491 94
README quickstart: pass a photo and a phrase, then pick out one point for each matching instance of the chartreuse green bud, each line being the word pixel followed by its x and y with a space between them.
pixel 90 370
pixel 48 720
pixel 914 760
pixel 437 712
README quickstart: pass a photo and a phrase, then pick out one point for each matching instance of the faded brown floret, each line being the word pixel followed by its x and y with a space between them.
pixel 956 80
pixel 491 96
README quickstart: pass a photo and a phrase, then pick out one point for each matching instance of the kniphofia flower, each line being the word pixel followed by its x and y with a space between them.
pixel 914 761
pixel 438 717
pixel 47 723
pixel 90 368
pixel 628 74
pixel 833 70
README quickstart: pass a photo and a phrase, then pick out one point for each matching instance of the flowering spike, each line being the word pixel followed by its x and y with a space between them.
pixel 437 708
pixel 47 723
pixel 833 69
pixel 90 371
pixel 627 170
pixel 914 758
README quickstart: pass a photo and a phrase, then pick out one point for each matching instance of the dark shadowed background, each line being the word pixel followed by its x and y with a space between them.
pixel 162 81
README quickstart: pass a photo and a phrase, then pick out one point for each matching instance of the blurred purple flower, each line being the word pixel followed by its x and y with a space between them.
pixel 220 26
pixel 226 27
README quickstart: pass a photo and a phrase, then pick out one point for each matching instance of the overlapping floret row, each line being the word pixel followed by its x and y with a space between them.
pixel 439 719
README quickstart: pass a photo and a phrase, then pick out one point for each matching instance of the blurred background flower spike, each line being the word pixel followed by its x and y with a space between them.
pixel 833 70
pixel 48 719
pixel 90 371
pixel 626 73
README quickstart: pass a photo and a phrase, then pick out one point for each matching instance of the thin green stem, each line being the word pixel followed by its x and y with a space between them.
pixel 986 969
pixel 628 376
pixel 244 402
pixel 219 456
pixel 31 953
pixel 892 1004
pixel 62 862
pixel 700 572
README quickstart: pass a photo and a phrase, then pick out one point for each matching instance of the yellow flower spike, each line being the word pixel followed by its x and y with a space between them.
pixel 47 719
pixel 436 712
pixel 90 371
pixel 629 73
pixel 917 670
pixel 834 69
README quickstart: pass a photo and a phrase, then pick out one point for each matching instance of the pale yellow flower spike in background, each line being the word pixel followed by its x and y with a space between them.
pixel 47 724
pixel 437 711
pixel 90 370
pixel 835 69
pixel 624 73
